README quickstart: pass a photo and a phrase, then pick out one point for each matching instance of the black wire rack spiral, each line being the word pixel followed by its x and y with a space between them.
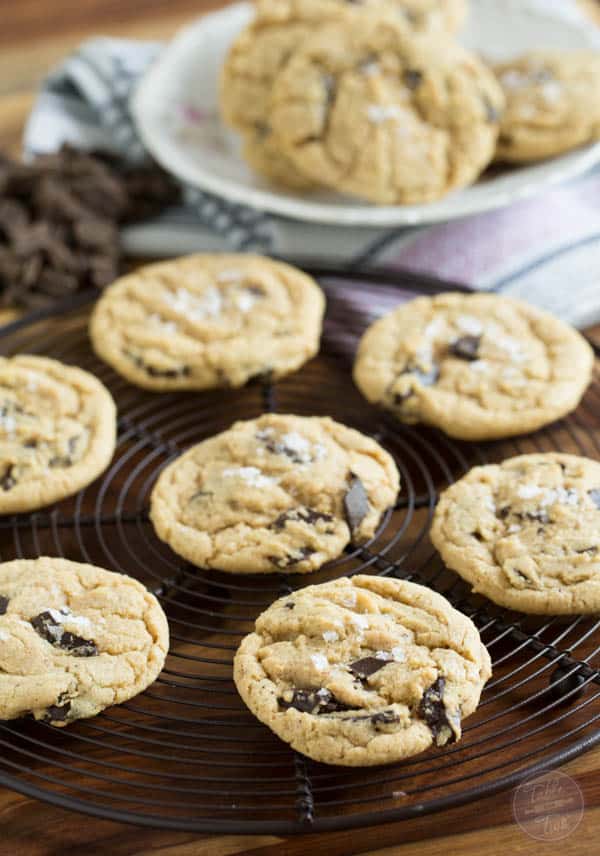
pixel 186 754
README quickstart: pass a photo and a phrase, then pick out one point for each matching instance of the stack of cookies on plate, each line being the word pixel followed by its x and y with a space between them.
pixel 356 670
pixel 379 100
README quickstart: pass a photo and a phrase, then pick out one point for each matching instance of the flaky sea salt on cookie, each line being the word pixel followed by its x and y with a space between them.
pixel 278 493
pixel 74 639
pixel 368 108
pixel 208 321
pixel 57 431
pixel 477 366
pixel 362 671
pixel 526 533
pixel 552 104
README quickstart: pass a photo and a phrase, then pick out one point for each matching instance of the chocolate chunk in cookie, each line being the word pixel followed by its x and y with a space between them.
pixel 433 711
pixel 50 627
pixel 466 348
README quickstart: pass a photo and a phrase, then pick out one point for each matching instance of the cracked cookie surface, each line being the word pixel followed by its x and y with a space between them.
pixel 208 321
pixel 477 366
pixel 278 493
pixel 526 533
pixel 368 108
pixel 552 104
pixel 261 51
pixel 422 15
pixel 261 152
pixel 74 639
pixel 362 670
pixel 57 431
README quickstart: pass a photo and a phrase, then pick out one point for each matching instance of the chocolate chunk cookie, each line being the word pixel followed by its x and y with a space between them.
pixel 552 104
pixel 278 493
pixel 477 366
pixel 262 50
pixel 362 671
pixel 368 108
pixel 526 533
pixel 208 321
pixel 74 639
pixel 57 431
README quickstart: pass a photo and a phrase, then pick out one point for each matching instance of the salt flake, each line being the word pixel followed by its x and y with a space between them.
pixel 251 475
pixel 320 662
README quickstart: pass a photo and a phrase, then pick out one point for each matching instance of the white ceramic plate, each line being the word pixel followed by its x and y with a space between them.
pixel 176 111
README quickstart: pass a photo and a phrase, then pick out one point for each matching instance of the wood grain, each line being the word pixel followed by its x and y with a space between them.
pixel 34 36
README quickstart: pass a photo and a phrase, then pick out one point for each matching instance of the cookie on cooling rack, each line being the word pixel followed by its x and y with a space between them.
pixel 278 493
pixel 526 533
pixel 74 639
pixel 362 671
pixel 207 321
pixel 368 108
pixel 552 104
pixel 477 366
pixel 57 431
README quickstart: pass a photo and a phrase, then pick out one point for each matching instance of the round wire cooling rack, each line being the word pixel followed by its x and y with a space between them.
pixel 186 753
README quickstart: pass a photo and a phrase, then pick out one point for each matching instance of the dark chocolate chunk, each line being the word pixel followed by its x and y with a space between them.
pixel 184 371
pixel 313 701
pixel 466 348
pixel 356 504
pixel 66 460
pixel 57 712
pixel 4 601
pixel 367 666
pixel 594 495
pixel 59 219
pixel 386 717
pixel 412 78
pixel 541 516
pixel 302 514
pixel 590 550
pixel 96 233
pixel 7 481
pixel 152 371
pixel 54 633
pixel 290 604
pixel 433 712
pixel 283 562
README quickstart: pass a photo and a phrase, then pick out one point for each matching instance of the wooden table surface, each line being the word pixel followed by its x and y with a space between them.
pixel 35 34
